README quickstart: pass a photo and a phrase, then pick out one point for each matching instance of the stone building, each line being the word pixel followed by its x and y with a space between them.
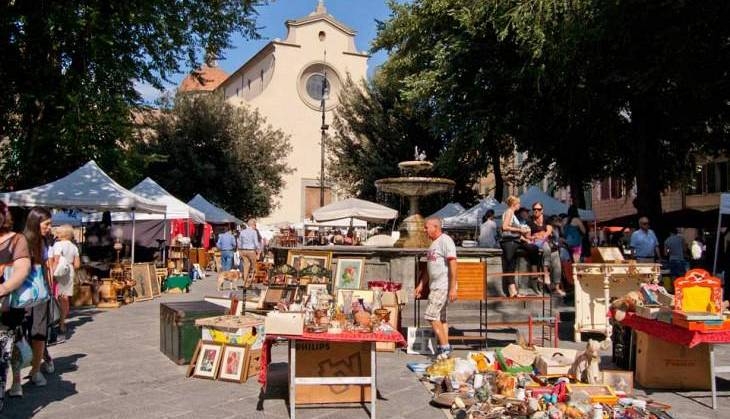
pixel 284 81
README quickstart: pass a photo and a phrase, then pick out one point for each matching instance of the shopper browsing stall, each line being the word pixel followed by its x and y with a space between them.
pixel 227 245
pixel 65 261
pixel 645 242
pixel 441 267
pixel 249 247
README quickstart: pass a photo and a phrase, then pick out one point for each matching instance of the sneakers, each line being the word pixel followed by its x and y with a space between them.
pixel 16 390
pixel 444 352
pixel 38 379
pixel 48 367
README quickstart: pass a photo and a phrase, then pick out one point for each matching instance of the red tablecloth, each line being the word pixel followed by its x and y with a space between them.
pixel 672 333
pixel 325 337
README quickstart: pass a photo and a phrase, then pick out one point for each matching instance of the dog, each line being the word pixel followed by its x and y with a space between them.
pixel 231 276
pixel 585 367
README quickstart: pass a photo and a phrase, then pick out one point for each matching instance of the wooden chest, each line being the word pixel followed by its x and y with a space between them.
pixel 178 333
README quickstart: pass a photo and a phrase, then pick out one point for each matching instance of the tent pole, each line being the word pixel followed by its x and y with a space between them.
pixel 134 227
pixel 717 242
pixel 164 236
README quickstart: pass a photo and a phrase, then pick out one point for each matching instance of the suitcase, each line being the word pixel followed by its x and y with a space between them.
pixel 178 334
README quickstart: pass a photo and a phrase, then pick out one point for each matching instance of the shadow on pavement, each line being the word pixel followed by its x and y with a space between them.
pixel 36 398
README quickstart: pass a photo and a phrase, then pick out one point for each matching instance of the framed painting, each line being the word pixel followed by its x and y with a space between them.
pixel 154 280
pixel 367 297
pixel 349 273
pixel 233 363
pixel 142 282
pixel 209 357
pixel 300 259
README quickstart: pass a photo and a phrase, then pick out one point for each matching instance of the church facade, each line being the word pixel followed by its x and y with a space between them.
pixel 284 81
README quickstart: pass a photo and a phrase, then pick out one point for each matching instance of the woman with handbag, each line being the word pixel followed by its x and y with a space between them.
pixel 37 228
pixel 65 260
pixel 15 258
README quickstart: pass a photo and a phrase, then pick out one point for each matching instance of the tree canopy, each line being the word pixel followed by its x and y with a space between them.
pixel 202 144
pixel 69 70
pixel 588 88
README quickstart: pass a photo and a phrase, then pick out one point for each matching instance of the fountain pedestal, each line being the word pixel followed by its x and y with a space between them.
pixel 412 229
pixel 413 233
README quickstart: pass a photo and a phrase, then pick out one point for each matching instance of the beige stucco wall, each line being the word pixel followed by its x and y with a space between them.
pixel 276 87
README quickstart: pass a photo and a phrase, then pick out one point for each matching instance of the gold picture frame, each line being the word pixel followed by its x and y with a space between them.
pixel 299 259
pixel 143 282
pixel 208 360
pixel 154 281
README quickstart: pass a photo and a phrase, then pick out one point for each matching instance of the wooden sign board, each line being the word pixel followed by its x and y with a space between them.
pixel 606 255
pixel 472 279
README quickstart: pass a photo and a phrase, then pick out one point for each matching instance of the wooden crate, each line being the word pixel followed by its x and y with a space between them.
pixel 664 365
pixel 327 359
pixel 253 364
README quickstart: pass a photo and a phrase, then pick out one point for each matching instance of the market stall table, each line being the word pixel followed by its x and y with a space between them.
pixel 326 338
pixel 682 336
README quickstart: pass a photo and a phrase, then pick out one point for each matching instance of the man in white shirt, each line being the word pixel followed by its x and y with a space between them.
pixel 441 268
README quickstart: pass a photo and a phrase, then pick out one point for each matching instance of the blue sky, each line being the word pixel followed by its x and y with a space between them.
pixel 359 15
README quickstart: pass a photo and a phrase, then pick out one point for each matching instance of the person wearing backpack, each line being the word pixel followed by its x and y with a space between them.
pixel 65 260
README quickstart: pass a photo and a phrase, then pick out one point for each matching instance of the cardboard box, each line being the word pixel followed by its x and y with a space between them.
pixel 284 323
pixel 330 359
pixel 664 365
pixel 549 361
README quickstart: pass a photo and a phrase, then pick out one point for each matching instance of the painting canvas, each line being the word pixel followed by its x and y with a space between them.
pixel 154 280
pixel 349 273
pixel 206 366
pixel 233 363
pixel 302 259
pixel 143 281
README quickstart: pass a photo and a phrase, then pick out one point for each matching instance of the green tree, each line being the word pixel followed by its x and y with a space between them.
pixel 450 57
pixel 69 69
pixel 226 153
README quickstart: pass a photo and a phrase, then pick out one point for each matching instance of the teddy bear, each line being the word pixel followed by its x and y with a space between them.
pixel 627 303
pixel 585 367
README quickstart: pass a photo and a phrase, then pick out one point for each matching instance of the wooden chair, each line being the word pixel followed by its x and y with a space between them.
pixel 261 274
pixel 283 275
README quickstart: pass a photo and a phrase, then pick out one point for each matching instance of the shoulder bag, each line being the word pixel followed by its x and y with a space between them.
pixel 32 291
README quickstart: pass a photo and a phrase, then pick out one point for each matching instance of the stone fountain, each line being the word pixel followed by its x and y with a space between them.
pixel 414 185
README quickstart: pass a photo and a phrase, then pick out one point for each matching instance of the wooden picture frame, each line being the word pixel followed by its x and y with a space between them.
pixel 208 360
pixel 300 259
pixel 233 363
pixel 316 288
pixel 154 281
pixel 193 360
pixel 621 381
pixel 143 282
pixel 275 294
pixel 349 273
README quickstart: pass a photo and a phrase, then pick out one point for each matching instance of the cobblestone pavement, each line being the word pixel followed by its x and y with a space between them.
pixel 112 367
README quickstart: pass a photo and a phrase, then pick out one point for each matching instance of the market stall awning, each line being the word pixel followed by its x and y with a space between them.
pixel 551 205
pixel 355 208
pixel 87 188
pixel 472 217
pixel 448 210
pixel 213 213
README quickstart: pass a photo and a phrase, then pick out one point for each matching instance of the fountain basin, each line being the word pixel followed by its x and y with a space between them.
pixel 415 185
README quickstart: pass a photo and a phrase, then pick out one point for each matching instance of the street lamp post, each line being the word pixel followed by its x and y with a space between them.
pixel 324 128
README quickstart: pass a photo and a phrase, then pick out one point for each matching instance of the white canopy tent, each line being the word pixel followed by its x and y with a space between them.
pixel 551 205
pixel 472 217
pixel 355 208
pixel 176 209
pixel 88 189
pixel 449 210
pixel 213 214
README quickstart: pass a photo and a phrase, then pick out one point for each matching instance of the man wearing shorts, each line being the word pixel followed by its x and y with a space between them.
pixel 441 267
